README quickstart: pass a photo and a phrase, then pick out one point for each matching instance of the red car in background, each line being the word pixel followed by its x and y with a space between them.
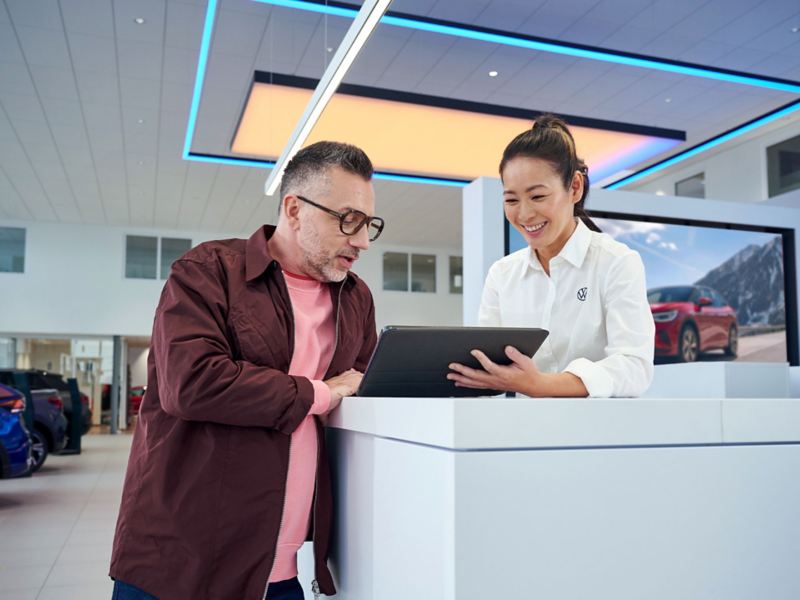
pixel 135 398
pixel 691 319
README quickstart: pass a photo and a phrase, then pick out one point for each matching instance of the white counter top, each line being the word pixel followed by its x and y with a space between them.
pixel 506 423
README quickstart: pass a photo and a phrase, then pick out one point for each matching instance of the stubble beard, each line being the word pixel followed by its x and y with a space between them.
pixel 317 262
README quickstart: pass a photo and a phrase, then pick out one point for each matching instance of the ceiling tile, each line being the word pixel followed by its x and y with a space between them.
pixel 180 65
pixel 63 112
pixel 44 47
pixel 140 93
pixel 93 53
pixel 139 60
pixel 184 25
pixel 153 13
pixel 16 79
pixel 9 47
pixel 464 11
pixel 89 16
pixel 54 82
pixel 509 15
pixel 239 34
pixel 43 14
pixel 97 89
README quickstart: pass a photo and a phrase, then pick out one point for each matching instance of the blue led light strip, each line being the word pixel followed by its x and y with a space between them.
pixel 497 38
pixel 545 46
pixel 715 141
pixel 202 63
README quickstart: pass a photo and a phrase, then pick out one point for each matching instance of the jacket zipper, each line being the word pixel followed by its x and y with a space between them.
pixel 314 584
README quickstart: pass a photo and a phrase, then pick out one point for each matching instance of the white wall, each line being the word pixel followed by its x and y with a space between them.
pixel 736 171
pixel 74 284
pixel 411 308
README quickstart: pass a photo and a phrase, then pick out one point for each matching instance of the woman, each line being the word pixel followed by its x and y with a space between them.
pixel 584 287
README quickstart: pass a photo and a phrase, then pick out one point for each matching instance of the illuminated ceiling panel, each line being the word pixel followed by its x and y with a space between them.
pixel 415 138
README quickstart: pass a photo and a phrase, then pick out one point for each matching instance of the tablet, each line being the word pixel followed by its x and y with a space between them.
pixel 413 361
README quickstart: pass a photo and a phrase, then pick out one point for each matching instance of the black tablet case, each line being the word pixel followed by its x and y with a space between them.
pixel 413 361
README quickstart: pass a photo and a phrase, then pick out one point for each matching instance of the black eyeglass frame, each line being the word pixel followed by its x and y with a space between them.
pixel 363 219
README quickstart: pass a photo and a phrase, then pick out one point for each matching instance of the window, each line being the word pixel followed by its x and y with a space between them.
pixel 456 275
pixel 692 187
pixel 783 166
pixel 398 271
pixel 171 250
pixel 12 250
pixel 144 255
pixel 141 257
pixel 395 271
pixel 423 273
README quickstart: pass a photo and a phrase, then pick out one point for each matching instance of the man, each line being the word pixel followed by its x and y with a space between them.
pixel 252 342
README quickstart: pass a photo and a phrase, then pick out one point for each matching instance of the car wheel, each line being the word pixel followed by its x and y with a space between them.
pixel 39 449
pixel 688 344
pixel 733 342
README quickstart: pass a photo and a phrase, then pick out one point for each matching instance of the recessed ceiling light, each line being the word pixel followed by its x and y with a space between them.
pixel 493 73
pixel 660 193
pixel 330 49
pixel 141 162
pixel 139 21
pixel 140 121
pixel 795 29
pixel 667 100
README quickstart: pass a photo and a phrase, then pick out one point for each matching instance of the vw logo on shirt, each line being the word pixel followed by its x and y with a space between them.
pixel 582 293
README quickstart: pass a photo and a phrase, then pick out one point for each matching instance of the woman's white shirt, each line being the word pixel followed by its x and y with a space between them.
pixel 594 304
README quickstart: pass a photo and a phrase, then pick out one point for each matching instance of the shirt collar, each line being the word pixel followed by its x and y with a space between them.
pixel 258 256
pixel 574 251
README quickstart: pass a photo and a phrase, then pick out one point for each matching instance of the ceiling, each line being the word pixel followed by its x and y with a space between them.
pixel 94 106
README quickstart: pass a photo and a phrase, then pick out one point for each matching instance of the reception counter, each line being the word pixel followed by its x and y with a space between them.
pixel 489 498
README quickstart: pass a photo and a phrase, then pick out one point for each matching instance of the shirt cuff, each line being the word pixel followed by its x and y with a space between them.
pixel 322 398
pixel 597 380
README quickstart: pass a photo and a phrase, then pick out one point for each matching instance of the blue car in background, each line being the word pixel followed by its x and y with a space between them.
pixel 49 433
pixel 15 443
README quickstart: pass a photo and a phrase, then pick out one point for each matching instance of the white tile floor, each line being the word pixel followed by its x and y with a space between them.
pixel 56 528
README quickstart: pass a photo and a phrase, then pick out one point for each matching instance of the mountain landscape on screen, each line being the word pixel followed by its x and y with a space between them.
pixel 752 282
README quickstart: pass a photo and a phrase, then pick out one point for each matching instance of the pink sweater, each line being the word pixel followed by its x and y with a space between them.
pixel 314 338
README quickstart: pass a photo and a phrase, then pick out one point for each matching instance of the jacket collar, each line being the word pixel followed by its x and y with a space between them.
pixel 258 258
pixel 574 251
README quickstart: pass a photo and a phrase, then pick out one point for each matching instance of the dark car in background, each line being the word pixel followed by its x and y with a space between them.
pixel 15 443
pixel 46 380
pixel 49 435
pixel 692 319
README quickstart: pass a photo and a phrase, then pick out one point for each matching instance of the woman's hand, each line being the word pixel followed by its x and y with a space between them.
pixel 520 376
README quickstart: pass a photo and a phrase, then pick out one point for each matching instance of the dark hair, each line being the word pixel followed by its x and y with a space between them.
pixel 319 157
pixel 551 141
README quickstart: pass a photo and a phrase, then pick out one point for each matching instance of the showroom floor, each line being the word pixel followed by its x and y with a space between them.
pixel 56 528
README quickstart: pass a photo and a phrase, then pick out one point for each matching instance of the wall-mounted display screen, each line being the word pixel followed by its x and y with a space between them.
pixel 716 293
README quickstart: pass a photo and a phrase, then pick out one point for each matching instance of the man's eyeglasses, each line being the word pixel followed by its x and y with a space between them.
pixel 351 221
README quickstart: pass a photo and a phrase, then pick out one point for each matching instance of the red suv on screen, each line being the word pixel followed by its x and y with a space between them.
pixel 691 319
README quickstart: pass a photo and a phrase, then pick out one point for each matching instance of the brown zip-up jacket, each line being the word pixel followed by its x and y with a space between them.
pixel 206 478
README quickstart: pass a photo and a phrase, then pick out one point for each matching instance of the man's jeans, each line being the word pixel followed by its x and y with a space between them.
pixel 289 589
pixel 125 591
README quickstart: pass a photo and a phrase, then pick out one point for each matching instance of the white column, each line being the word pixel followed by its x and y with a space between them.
pixel 483 239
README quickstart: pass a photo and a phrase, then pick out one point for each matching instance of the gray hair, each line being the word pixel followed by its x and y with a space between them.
pixel 314 161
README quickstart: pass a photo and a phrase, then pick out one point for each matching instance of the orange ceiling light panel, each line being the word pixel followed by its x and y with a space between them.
pixel 424 140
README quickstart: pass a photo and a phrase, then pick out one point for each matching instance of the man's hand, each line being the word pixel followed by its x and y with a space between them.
pixel 343 385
